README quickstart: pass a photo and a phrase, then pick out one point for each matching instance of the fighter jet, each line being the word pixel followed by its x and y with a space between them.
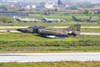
pixel 52 20
pixel 49 32
pixel 82 20
pixel 25 19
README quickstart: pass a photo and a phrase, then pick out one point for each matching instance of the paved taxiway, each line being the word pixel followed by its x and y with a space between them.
pixel 84 33
pixel 48 57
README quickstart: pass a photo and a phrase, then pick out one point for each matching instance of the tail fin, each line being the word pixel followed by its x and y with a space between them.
pixel 75 27
pixel 74 18
pixel 90 17
pixel 43 18
pixel 16 18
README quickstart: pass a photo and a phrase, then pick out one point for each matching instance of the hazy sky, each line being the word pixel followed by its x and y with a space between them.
pixel 52 0
pixel 87 0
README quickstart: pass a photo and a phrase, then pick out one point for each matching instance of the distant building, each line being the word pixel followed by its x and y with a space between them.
pixel 96 9
pixel 41 5
pixel 28 6
pixel 81 9
pixel 66 5
pixel 12 5
pixel 33 6
pixel 49 5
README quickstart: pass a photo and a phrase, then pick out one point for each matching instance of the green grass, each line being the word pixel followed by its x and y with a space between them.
pixel 48 24
pixel 90 29
pixel 52 64
pixel 28 40
pixel 67 17
pixel 22 40
pixel 49 49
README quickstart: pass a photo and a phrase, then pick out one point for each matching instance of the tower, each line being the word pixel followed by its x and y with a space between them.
pixel 60 2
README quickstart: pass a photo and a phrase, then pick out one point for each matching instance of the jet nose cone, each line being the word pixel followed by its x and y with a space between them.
pixel 23 30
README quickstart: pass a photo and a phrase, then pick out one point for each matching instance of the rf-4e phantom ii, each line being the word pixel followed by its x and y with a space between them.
pixel 84 20
pixel 25 19
pixel 49 32
pixel 52 20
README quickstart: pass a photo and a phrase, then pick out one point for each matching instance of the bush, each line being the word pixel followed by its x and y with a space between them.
pixel 4 19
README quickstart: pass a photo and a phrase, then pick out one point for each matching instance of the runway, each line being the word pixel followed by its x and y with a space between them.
pixel 9 31
pixel 81 27
pixel 4 27
pixel 82 33
pixel 89 33
pixel 48 57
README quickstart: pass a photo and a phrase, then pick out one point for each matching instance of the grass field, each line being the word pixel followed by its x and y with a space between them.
pixel 49 49
pixel 17 42
pixel 27 39
pixel 90 29
pixel 67 17
pixel 51 64
pixel 25 42
pixel 48 24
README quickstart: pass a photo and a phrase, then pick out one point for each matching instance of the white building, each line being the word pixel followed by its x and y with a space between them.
pixel 49 5
pixel 67 6
pixel 33 6
pixel 28 6
pixel 12 5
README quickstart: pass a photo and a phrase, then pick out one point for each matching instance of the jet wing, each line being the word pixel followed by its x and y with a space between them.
pixel 53 32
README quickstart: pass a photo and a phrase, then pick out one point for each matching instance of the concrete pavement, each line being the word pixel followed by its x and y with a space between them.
pixel 48 57
pixel 4 27
pixel 82 33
